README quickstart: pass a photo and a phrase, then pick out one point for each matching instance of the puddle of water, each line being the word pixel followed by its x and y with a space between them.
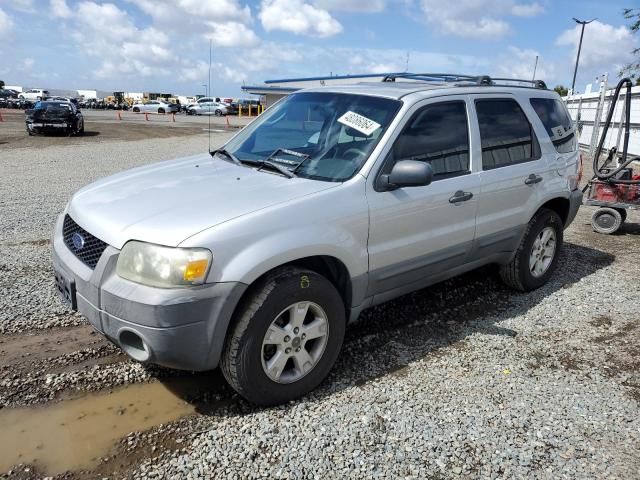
pixel 39 345
pixel 76 433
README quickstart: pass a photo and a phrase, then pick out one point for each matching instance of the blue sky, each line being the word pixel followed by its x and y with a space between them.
pixel 163 45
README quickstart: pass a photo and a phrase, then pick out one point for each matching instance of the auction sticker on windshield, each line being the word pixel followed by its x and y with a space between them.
pixel 359 122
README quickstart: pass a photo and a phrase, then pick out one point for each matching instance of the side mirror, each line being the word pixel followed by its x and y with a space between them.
pixel 407 173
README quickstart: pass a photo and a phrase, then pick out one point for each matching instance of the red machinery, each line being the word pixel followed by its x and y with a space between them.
pixel 615 189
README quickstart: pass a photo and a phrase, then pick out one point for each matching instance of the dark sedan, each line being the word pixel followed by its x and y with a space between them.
pixel 54 116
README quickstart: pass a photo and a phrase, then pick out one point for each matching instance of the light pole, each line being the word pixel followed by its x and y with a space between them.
pixel 575 70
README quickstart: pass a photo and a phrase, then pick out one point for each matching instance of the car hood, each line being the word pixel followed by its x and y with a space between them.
pixel 168 202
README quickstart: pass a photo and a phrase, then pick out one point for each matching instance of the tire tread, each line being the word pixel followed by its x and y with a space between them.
pixel 231 359
pixel 510 273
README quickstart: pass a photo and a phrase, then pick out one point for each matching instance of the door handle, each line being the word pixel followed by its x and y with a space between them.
pixel 460 196
pixel 532 179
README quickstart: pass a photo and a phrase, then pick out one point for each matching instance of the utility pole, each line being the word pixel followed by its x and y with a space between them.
pixel 535 67
pixel 575 70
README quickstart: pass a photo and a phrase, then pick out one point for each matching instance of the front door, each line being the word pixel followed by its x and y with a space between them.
pixel 417 233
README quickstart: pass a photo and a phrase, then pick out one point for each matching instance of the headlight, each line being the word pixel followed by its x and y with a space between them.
pixel 165 267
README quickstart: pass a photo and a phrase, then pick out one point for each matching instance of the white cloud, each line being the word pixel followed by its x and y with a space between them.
pixel 603 45
pixel 226 22
pixel 28 63
pixel 527 9
pixel 6 24
pixel 23 5
pixel 519 63
pixel 195 72
pixel 232 34
pixel 298 17
pixel 231 74
pixel 269 58
pixel 475 18
pixel 368 6
pixel 123 48
pixel 177 12
pixel 60 9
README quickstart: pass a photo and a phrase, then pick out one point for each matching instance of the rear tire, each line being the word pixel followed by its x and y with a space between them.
pixel 623 215
pixel 537 256
pixel 606 220
pixel 161 110
pixel 270 300
pixel 136 110
pixel 218 113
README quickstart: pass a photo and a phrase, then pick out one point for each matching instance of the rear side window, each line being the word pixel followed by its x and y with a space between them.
pixel 556 122
pixel 506 134
pixel 437 134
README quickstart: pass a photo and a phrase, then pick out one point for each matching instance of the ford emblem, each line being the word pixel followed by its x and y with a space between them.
pixel 78 241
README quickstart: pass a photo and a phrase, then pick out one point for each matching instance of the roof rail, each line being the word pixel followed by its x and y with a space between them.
pixel 463 79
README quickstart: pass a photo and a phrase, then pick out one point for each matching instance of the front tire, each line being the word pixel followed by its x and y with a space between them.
pixel 287 335
pixel 161 110
pixel 136 110
pixel 218 113
pixel 537 256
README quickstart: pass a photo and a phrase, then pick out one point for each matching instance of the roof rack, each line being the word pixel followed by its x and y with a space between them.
pixel 463 80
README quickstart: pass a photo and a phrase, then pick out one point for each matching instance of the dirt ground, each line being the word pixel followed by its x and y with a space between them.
pixel 104 126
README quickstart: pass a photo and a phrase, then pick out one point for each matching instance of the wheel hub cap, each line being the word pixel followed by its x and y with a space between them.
pixel 294 342
pixel 542 252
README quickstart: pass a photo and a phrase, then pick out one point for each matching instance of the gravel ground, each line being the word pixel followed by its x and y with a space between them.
pixel 464 379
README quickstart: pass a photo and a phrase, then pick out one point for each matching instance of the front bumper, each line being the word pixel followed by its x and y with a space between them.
pixel 575 200
pixel 182 328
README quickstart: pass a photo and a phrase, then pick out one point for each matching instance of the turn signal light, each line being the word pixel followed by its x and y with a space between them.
pixel 196 270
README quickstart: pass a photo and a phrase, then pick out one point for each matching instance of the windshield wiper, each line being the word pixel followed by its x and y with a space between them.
pixel 283 170
pixel 224 152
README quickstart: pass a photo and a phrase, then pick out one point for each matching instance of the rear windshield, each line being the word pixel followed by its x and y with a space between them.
pixel 53 107
pixel 557 123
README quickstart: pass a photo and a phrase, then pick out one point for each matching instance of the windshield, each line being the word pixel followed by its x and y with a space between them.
pixel 327 136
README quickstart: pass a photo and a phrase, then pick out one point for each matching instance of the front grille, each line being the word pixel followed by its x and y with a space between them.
pixel 83 245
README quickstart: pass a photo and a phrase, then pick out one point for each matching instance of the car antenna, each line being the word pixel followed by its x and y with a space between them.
pixel 210 50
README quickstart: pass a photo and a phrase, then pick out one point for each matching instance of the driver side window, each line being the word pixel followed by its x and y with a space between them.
pixel 437 133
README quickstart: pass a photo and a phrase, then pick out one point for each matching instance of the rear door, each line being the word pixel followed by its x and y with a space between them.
pixel 513 173
pixel 418 233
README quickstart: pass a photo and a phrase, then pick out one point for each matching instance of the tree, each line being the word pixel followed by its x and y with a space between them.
pixel 562 90
pixel 1 83
pixel 632 70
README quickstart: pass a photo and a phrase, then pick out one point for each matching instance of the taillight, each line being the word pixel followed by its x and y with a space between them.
pixel 580 169
pixel 574 180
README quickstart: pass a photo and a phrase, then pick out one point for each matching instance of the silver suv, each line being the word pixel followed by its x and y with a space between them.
pixel 255 256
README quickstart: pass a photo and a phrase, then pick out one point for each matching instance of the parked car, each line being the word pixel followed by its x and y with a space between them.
pixel 255 256
pixel 7 98
pixel 208 108
pixel 232 107
pixel 156 106
pixel 34 94
pixel 48 116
